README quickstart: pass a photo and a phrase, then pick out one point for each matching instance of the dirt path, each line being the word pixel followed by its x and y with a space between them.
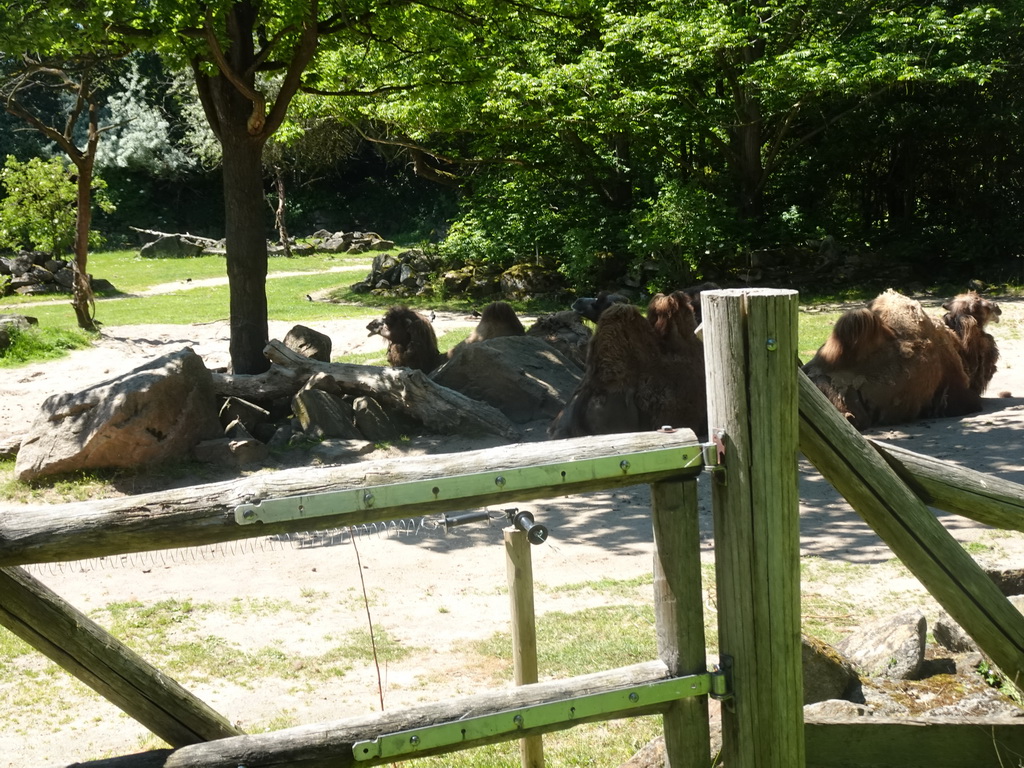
pixel 428 593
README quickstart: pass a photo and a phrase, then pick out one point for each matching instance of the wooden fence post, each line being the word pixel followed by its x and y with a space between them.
pixel 750 342
pixel 679 616
pixel 519 562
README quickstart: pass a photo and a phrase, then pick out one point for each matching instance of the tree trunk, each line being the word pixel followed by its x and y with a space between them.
pixel 282 210
pixel 245 231
pixel 81 296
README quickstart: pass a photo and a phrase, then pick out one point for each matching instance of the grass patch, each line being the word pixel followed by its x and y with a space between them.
pixel 38 344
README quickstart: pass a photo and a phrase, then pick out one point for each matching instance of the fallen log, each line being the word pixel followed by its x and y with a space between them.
pixel 205 242
pixel 404 389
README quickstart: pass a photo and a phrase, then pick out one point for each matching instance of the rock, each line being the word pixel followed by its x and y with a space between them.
pixel 322 412
pixel 154 413
pixel 565 332
pixel 12 324
pixel 522 281
pixel 310 343
pixel 827 675
pixel 170 247
pixel 892 647
pixel 523 377
pixel 373 421
pixel 951 636
pixel 1010 581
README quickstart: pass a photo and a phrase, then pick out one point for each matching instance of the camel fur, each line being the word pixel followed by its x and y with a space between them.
pixel 411 339
pixel 891 363
pixel 641 373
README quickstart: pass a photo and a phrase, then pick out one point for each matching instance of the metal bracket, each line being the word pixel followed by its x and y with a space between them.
pixel 510 721
pixel 714 455
pixel 721 682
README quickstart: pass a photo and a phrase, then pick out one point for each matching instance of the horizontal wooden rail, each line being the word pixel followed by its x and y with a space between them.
pixel 330 745
pixel 205 514
pixel 928 742
pixel 952 488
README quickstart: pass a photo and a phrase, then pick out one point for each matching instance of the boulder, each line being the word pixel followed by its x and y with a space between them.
pixel 522 281
pixel 310 343
pixel 827 675
pixel 373 421
pixel 523 377
pixel 566 332
pixel 322 411
pixel 11 324
pixel 892 647
pixel 154 413
pixel 170 247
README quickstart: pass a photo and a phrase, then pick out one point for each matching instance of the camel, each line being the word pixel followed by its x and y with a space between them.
pixel 411 339
pixel 641 373
pixel 890 362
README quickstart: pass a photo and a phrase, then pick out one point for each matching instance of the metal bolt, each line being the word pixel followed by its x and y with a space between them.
pixel 499 481
pixel 518 720
pixel 624 465
pixel 414 739
pixel 772 344
pixel 249 514
pixel 368 499
pixel 634 697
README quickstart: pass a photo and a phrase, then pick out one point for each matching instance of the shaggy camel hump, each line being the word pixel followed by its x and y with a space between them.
pixel 891 363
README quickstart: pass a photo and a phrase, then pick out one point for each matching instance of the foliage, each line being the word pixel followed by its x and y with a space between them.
pixel 38 211
pixel 139 135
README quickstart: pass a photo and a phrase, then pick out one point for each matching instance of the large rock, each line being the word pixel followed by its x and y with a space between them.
pixel 308 342
pixel 566 332
pixel 892 647
pixel 170 247
pixel 827 675
pixel 154 413
pixel 523 377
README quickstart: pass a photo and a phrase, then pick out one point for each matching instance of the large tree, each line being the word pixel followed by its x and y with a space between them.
pixel 250 58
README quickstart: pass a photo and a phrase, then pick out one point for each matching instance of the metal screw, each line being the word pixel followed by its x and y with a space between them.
pixel 634 697
pixel 368 499
pixel 249 514
pixel 499 481
pixel 624 465
pixel 772 344
pixel 414 739
pixel 518 720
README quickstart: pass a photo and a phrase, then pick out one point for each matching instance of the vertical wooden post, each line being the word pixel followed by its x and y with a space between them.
pixel 750 342
pixel 519 562
pixel 679 616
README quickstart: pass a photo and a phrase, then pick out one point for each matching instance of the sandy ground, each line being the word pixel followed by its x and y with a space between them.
pixel 432 593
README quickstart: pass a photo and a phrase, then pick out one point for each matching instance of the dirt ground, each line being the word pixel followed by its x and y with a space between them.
pixel 430 592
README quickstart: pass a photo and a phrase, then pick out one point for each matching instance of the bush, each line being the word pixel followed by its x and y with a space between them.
pixel 39 210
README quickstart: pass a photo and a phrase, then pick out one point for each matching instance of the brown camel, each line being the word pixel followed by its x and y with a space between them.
pixel 641 374
pixel 890 363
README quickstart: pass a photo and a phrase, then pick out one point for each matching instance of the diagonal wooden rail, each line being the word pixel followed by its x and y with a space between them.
pixel 904 522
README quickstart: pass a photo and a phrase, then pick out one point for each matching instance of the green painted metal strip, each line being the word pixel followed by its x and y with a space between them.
pixel 468 487
pixel 510 721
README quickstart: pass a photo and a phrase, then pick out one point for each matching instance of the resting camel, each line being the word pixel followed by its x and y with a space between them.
pixel 966 316
pixel 496 319
pixel 890 362
pixel 410 337
pixel 641 373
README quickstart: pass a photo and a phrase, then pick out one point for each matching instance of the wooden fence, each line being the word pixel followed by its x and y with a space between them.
pixel 762 410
